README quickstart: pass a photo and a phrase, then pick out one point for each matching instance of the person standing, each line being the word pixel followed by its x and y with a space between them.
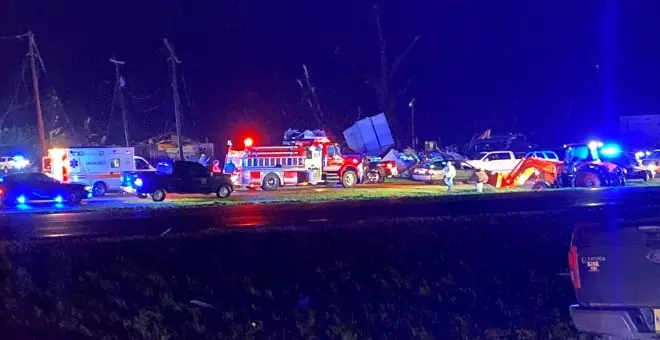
pixel 450 173
pixel 480 177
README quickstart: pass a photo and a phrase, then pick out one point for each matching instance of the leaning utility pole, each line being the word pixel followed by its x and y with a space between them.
pixel 175 93
pixel 37 99
pixel 118 86
pixel 411 105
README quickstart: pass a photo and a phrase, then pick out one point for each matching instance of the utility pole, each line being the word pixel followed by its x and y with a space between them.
pixel 122 105
pixel 411 105
pixel 175 94
pixel 37 99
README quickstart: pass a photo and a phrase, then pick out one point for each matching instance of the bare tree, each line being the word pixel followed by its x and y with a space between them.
pixel 310 97
pixel 384 84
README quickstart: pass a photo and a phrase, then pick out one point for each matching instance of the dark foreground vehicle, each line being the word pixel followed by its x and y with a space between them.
pixel 616 276
pixel 20 188
pixel 184 178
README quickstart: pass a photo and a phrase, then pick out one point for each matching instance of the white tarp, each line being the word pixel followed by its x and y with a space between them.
pixel 370 136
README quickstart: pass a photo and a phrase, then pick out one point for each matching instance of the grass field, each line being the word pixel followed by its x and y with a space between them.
pixel 412 279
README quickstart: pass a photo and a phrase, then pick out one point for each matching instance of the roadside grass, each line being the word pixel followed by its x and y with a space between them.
pixel 419 278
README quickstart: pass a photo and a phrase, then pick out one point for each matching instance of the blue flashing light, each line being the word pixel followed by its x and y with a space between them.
pixel 90 195
pixel 2 179
pixel 21 199
pixel 58 199
pixel 138 182
pixel 610 150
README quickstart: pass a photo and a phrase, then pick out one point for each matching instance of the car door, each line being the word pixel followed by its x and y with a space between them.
pixel 501 161
pixel 42 186
pixel 200 178
pixel 464 171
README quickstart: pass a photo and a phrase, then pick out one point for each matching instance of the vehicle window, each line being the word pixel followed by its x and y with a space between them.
pixel 332 151
pixel 140 164
pixel 655 155
pixel 197 170
pixel 464 166
pixel 551 155
pixel 115 163
pixel 438 165
pixel 498 156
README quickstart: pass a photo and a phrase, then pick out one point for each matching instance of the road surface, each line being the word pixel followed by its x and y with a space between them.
pixel 31 222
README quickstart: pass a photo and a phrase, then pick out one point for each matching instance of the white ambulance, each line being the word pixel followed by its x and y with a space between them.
pixel 97 167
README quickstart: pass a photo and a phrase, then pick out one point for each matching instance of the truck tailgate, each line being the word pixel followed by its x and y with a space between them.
pixel 618 265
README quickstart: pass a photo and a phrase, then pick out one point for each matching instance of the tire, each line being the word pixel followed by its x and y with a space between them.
pixel 540 185
pixel 271 182
pixel 349 179
pixel 142 196
pixel 223 191
pixel 588 180
pixel 374 177
pixel 99 189
pixel 647 176
pixel 382 176
pixel 158 195
pixel 74 197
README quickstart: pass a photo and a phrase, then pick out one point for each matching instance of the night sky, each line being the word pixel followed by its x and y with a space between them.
pixel 558 71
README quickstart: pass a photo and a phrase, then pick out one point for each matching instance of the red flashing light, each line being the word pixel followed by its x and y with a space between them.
pixel 248 142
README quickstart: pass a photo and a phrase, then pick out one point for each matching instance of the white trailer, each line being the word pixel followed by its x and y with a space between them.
pixel 97 167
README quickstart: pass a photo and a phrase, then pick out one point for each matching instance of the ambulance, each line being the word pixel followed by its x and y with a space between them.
pixel 98 167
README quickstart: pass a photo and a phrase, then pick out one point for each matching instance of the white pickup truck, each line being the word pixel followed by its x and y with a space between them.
pixel 495 161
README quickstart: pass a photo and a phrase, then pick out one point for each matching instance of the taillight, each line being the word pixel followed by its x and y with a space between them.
pixel 573 267
pixel 390 165
pixel 2 191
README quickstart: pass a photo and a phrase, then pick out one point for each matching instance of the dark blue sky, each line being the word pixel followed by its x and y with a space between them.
pixel 478 64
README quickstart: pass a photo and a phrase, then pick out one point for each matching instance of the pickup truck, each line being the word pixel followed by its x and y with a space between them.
pixel 614 270
pixel 495 161
pixel 182 177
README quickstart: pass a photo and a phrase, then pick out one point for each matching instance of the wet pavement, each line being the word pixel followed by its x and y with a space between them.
pixel 38 222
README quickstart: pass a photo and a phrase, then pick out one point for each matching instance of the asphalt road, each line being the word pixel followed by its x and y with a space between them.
pixel 581 205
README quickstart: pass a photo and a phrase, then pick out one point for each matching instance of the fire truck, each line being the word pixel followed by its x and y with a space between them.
pixel 311 161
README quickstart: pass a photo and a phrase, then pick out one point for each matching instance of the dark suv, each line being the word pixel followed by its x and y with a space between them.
pixel 615 271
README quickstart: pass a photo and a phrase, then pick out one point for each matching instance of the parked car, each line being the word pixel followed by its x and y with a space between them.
pixel 181 177
pixel 543 154
pixel 495 161
pixel 632 167
pixel 432 171
pixel 613 268
pixel 20 188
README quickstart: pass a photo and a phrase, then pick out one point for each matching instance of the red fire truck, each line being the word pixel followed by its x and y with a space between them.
pixel 307 161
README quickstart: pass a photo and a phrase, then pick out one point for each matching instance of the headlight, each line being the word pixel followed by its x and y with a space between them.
pixel 652 166
pixel 138 182
pixel 88 188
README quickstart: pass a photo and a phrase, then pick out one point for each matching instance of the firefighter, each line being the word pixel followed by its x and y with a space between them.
pixel 450 173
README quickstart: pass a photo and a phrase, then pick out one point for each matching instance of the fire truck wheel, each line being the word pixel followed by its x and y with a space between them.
pixel 158 195
pixel 99 189
pixel 349 178
pixel 271 182
pixel 223 192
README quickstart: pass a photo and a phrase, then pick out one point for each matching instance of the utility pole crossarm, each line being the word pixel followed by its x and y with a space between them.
pixel 175 93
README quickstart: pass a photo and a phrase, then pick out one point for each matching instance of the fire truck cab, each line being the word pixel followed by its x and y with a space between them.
pixel 309 161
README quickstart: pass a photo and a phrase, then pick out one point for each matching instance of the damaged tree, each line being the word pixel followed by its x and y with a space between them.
pixel 384 84
pixel 310 97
